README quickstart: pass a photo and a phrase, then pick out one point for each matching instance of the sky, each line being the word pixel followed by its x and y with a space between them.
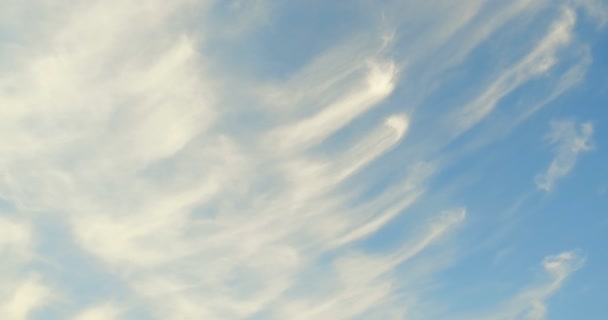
pixel 303 159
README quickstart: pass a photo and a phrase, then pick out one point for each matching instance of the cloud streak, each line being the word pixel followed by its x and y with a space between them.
pixel 541 59
pixel 531 303
pixel 569 140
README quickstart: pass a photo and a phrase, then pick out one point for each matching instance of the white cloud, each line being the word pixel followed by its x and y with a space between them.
pixel 411 190
pixel 531 302
pixel 30 295
pixel 475 22
pixel 596 9
pixel 574 75
pixel 21 292
pixel 112 125
pixel 107 311
pixel 542 58
pixel 377 85
pixel 365 283
pixel 14 236
pixel 569 142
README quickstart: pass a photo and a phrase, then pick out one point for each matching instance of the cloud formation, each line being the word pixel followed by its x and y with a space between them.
pixel 185 186
pixel 569 140
pixel 531 302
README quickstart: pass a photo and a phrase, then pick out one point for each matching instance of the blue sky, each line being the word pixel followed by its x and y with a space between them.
pixel 200 159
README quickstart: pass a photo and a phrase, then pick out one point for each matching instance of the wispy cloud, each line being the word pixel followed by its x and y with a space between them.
pixel 29 296
pixel 377 84
pixel 116 125
pixel 541 59
pixel 596 9
pixel 531 302
pixel 22 292
pixel 570 140
pixel 106 311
